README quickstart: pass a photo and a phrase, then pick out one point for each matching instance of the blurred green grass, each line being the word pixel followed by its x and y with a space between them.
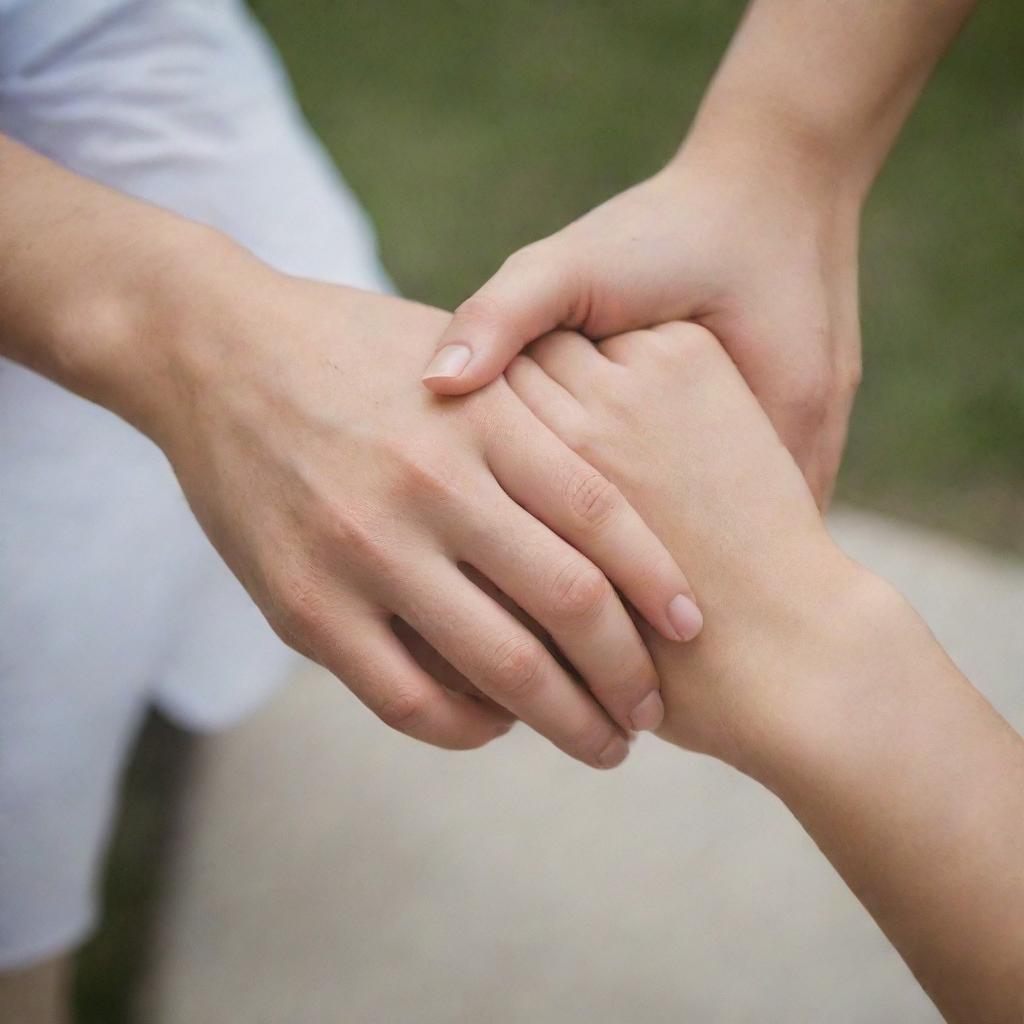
pixel 469 129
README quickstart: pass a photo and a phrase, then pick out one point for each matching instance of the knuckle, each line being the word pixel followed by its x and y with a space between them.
pixel 484 410
pixel 594 501
pixel 403 709
pixel 357 539
pixel 697 340
pixel 421 476
pixel 515 667
pixel 299 614
pixel 284 631
pixel 684 342
pixel 428 477
pixel 664 347
pixel 578 591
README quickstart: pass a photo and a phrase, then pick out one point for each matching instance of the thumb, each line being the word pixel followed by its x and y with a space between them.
pixel 532 293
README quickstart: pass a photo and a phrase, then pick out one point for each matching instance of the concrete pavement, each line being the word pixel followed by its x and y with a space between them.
pixel 330 870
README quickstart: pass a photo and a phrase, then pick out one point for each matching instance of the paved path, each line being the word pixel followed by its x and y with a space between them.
pixel 333 871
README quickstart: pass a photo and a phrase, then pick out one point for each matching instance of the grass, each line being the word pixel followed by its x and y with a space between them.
pixel 469 129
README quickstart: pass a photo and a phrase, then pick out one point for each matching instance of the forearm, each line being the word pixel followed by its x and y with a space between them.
pixel 811 674
pixel 89 280
pixel 911 785
pixel 828 82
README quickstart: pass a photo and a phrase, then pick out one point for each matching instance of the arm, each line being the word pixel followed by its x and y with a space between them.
pixel 343 495
pixel 812 676
pixel 751 230
pixel 913 787
pixel 835 81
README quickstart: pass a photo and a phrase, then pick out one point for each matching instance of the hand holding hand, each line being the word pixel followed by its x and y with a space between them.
pixel 665 414
pixel 745 239
pixel 344 495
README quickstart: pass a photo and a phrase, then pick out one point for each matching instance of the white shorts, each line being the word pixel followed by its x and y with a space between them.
pixel 111 599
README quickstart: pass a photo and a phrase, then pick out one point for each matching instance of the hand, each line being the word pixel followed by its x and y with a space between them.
pixel 813 676
pixel 343 495
pixel 667 417
pixel 749 242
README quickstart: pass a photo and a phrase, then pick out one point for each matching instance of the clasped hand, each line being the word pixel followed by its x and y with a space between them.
pixel 351 503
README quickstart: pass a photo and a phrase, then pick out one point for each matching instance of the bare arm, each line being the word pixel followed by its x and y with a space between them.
pixel 813 675
pixel 832 79
pixel 913 787
pixel 81 273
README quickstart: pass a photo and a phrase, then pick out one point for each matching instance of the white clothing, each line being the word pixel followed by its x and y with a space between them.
pixel 111 599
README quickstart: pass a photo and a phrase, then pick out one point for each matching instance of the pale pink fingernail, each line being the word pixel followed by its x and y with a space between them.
pixel 648 713
pixel 614 754
pixel 449 362
pixel 685 617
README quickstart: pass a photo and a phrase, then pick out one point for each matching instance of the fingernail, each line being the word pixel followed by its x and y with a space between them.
pixel 647 715
pixel 614 754
pixel 685 617
pixel 449 362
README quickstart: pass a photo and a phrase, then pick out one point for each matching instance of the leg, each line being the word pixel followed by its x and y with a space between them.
pixel 37 994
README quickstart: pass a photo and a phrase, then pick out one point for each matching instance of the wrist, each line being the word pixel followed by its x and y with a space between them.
pixel 735 132
pixel 172 323
pixel 114 335
pixel 776 626
pixel 785 648
pixel 852 656
pixel 773 199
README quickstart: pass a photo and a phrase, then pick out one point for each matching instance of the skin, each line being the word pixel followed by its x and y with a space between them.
pixel 751 230
pixel 813 676
pixel 38 994
pixel 343 495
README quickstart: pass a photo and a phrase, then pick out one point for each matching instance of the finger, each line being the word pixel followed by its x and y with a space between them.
pixel 568 495
pixel 435 666
pixel 620 349
pixel 574 602
pixel 532 293
pixel 570 359
pixel 508 663
pixel 483 583
pixel 381 672
pixel 633 347
pixel 546 399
